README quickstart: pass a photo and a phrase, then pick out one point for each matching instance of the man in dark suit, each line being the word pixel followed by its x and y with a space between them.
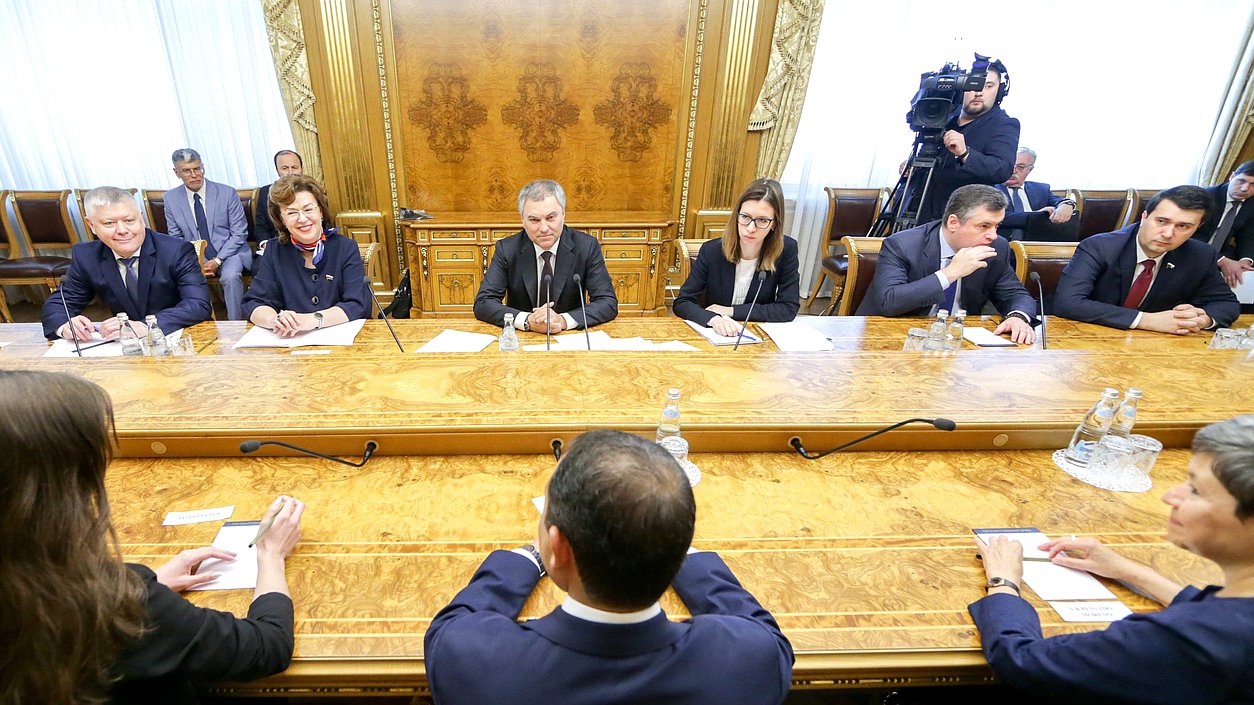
pixel 614 533
pixel 545 247
pixel 981 139
pixel 958 262
pixel 131 269
pixel 1025 196
pixel 285 162
pixel 1150 275
pixel 206 210
pixel 1230 227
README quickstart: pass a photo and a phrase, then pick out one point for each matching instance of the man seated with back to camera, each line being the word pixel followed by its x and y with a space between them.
pixel 615 532
pixel 958 262
pixel 1150 275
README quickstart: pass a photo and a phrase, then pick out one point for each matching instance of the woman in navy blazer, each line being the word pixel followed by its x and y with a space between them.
pixel 1200 649
pixel 752 261
pixel 310 276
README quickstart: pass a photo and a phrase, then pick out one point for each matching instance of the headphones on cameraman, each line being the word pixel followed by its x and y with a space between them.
pixel 1003 87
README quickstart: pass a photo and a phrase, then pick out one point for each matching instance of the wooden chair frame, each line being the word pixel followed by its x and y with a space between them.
pixel 1121 220
pixel 854 246
pixel 830 247
pixel 15 236
pixel 1027 250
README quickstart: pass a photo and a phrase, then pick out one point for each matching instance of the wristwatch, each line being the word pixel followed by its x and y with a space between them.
pixel 318 319
pixel 536 555
pixel 1002 582
pixel 1019 315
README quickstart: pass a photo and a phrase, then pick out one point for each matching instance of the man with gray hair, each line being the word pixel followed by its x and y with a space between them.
pixel 130 268
pixel 537 273
pixel 956 262
pixel 1026 197
pixel 201 209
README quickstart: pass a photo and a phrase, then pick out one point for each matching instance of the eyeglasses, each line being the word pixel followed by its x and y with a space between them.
pixel 1024 167
pixel 761 223
pixel 188 171
pixel 310 212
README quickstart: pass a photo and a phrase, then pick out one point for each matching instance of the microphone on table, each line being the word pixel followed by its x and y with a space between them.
pixel 586 335
pixel 1040 290
pixel 942 424
pixel 743 328
pixel 548 312
pixel 68 322
pixel 383 314
pixel 252 446
pixel 556 443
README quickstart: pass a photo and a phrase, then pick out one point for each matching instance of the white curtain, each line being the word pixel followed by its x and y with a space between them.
pixel 1111 94
pixel 100 92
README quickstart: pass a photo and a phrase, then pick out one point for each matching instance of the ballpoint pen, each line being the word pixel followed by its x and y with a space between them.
pixel 262 531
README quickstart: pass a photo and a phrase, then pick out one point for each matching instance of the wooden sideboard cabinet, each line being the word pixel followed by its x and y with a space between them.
pixel 449 256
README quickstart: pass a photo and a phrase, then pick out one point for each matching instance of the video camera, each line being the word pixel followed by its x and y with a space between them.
pixel 941 91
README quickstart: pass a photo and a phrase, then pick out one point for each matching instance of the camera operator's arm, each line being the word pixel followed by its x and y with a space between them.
pixel 990 148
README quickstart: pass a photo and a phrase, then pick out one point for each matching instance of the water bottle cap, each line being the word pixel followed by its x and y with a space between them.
pixel 673 393
pixel 1110 392
pixel 1135 393
pixel 943 312
pixel 960 312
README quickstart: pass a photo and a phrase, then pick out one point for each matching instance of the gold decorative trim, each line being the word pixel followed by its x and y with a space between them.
pixel 652 259
pixel 426 270
pixel 483 259
pixel 377 14
pixel 692 118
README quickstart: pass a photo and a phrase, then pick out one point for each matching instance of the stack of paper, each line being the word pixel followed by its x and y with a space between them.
pixel 343 334
pixel 98 347
pixel 985 338
pixel 715 339
pixel 450 341
pixel 797 336
pixel 241 573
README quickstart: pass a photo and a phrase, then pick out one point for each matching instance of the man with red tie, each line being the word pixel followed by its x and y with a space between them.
pixel 1150 275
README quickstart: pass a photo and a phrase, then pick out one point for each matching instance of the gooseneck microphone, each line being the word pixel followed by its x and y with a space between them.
pixel 745 326
pixel 556 444
pixel 252 446
pixel 1041 291
pixel 548 312
pixel 68 322
pixel 383 314
pixel 942 424
pixel 586 335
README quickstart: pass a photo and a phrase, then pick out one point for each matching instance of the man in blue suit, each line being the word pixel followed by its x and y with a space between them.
pixel 1230 227
pixel 958 262
pixel 615 532
pixel 1025 196
pixel 131 269
pixel 205 210
pixel 1150 275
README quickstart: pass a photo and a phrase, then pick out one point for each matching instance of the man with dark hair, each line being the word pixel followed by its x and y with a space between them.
pixel 615 532
pixel 1150 275
pixel 285 162
pixel 958 262
pixel 1230 227
pixel 981 139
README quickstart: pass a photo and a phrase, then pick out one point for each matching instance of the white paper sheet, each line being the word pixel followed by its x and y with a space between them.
pixel 344 334
pixel 1104 611
pixel 241 573
pixel 1049 581
pixel 1245 290
pixel 715 339
pixel 451 341
pixel 797 336
pixel 65 348
pixel 985 338
pixel 5 343
pixel 196 516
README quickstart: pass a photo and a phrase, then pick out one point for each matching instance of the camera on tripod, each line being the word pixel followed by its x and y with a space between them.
pixel 940 91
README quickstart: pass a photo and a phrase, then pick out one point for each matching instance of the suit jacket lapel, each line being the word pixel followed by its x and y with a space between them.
pixel 565 263
pixel 1165 282
pixel 931 259
pixel 525 260
pixel 109 265
pixel 1126 267
pixel 147 269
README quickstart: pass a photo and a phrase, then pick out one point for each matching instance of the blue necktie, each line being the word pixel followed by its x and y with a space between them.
pixel 131 280
pixel 202 226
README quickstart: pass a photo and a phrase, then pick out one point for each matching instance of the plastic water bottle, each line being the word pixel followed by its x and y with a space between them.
pixel 1096 424
pixel 132 346
pixel 509 339
pixel 157 345
pixel 937 331
pixel 669 426
pixel 1125 415
pixel 954 336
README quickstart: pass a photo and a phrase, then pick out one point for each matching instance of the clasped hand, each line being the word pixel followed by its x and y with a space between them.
pixel 289 323
pixel 543 319
pixel 1181 320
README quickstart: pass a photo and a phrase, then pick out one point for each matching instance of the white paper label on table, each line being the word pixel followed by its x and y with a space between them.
pixel 985 338
pixel 1105 611
pixel 196 516
pixel 1245 290
pixel 716 339
pixel 451 341
pixel 1050 582
pixel 241 573
pixel 344 334
pixel 797 336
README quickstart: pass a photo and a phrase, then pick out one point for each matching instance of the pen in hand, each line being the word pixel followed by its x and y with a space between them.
pixel 264 527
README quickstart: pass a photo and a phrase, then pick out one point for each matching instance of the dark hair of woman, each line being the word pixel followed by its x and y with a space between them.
pixel 68 604
pixel 283 194
pixel 759 190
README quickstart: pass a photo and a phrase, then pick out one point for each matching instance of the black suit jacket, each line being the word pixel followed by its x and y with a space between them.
pixel 171 285
pixel 1240 244
pixel 713 280
pixel 1038 196
pixel 184 645
pixel 512 277
pixel 993 139
pixel 263 227
pixel 1096 281
pixel 905 283
pixel 730 651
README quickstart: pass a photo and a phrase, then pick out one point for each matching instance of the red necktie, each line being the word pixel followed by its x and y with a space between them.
pixel 1139 287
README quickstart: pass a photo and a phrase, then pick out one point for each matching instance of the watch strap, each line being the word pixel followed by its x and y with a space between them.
pixel 1003 582
pixel 535 553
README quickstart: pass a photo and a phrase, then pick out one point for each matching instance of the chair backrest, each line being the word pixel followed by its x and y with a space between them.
pixel 6 231
pixel 851 212
pixel 864 253
pixel 43 220
pixel 1102 211
pixel 248 199
pixel 154 210
pixel 1047 259
pixel 1141 199
pixel 79 194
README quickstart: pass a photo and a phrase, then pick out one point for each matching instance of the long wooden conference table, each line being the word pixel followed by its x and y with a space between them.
pixel 865 558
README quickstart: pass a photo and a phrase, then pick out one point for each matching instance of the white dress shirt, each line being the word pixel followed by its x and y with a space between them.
pixel 521 321
pixel 745 269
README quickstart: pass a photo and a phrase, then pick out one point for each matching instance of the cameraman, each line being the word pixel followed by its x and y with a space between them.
pixel 982 140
